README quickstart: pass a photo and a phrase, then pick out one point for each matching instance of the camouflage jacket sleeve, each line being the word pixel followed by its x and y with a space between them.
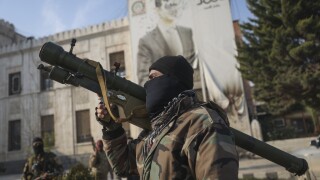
pixel 121 156
pixel 26 174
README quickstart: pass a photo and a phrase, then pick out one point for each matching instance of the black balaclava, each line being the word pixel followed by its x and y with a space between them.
pixel 178 77
pixel 37 145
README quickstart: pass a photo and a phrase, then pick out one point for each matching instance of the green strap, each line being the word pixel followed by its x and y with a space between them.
pixel 103 87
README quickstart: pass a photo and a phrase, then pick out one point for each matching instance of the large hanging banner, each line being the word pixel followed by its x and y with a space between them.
pixel 202 32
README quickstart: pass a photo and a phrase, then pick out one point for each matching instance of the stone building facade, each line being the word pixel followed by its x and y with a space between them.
pixel 32 105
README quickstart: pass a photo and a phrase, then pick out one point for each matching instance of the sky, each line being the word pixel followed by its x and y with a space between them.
pixel 40 18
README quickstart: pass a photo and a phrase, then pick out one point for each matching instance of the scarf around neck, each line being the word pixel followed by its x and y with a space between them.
pixel 177 106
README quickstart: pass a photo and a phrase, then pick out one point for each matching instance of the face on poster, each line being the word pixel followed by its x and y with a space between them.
pixel 144 15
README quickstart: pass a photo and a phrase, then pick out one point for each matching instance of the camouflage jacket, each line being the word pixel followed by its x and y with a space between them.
pixel 195 142
pixel 99 165
pixel 36 166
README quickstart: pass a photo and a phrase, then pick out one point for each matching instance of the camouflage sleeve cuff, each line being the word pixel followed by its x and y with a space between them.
pixel 109 135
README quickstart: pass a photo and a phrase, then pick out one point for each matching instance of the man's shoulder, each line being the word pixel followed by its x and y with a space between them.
pixel 101 153
pixel 50 155
pixel 31 158
pixel 206 119
pixel 204 116
pixel 149 36
pixel 193 121
pixel 183 28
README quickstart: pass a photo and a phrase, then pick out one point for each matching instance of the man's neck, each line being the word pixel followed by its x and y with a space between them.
pixel 164 25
